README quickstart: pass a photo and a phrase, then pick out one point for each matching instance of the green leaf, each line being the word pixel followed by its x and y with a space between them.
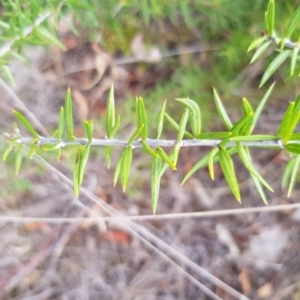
pixel 287 172
pixel 125 167
pixel 213 135
pixel 242 126
pixel 155 182
pixel 290 127
pixel 203 162
pixel 45 34
pixel 247 108
pixel 253 138
pixel 259 189
pixel 141 117
pixel 149 150
pixel 110 113
pixel 76 174
pixel 58 154
pixel 293 175
pixel 195 114
pixel 246 159
pixel 161 121
pixel 7 151
pixel 175 153
pixel 295 136
pixel 229 173
pixel 19 158
pixel 116 127
pixel 165 157
pixel 83 161
pixel 212 154
pixel 61 124
pixel 294 21
pixel 32 150
pixel 118 167
pixel 182 125
pixel 108 156
pixel 89 126
pixel 176 126
pixel 260 51
pixel 270 17
pixel 274 65
pixel 261 105
pixel 135 134
pixel 221 110
pixel 294 59
pixel 293 148
pixel 26 123
pixel 256 43
pixel 69 116
pixel 282 130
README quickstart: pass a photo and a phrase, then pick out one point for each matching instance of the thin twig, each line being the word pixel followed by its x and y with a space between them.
pixel 276 143
pixel 157 217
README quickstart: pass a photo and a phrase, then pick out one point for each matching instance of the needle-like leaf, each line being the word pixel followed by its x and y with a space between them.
pixel 26 123
pixel 262 48
pixel 141 117
pixel 161 120
pixel 69 116
pixel 212 154
pixel 110 113
pixel 229 173
pixel 176 126
pixel 125 167
pixel 295 170
pixel 195 115
pixel 221 110
pixel 274 65
pixel 155 182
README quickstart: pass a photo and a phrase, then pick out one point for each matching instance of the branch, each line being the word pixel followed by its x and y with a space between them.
pixel 276 143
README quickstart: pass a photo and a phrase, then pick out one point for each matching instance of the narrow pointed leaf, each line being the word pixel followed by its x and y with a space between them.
pixel 8 74
pixel 260 51
pixel 212 154
pixel 287 172
pixel 259 189
pixel 256 43
pixel 293 175
pixel 161 121
pixel 26 123
pixel 294 59
pixel 76 174
pixel 69 124
pixel 58 154
pixel 229 173
pixel 290 127
pixel 293 148
pixel 286 119
pixel 241 125
pixel 136 134
pixel 254 138
pixel 176 126
pixel 270 17
pixel 7 151
pixel 108 156
pixel 83 162
pixel 195 119
pixel 247 108
pixel 221 110
pixel 116 127
pixel 32 150
pixel 203 162
pixel 125 167
pixel 294 21
pixel 149 150
pixel 261 106
pixel 175 153
pixel 155 182
pixel 141 117
pixel 61 124
pixel 274 65
pixel 246 159
pixel 182 125
pixel 89 126
pixel 213 135
pixel 118 167
pixel 165 157
pixel 19 158
pixel 110 113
